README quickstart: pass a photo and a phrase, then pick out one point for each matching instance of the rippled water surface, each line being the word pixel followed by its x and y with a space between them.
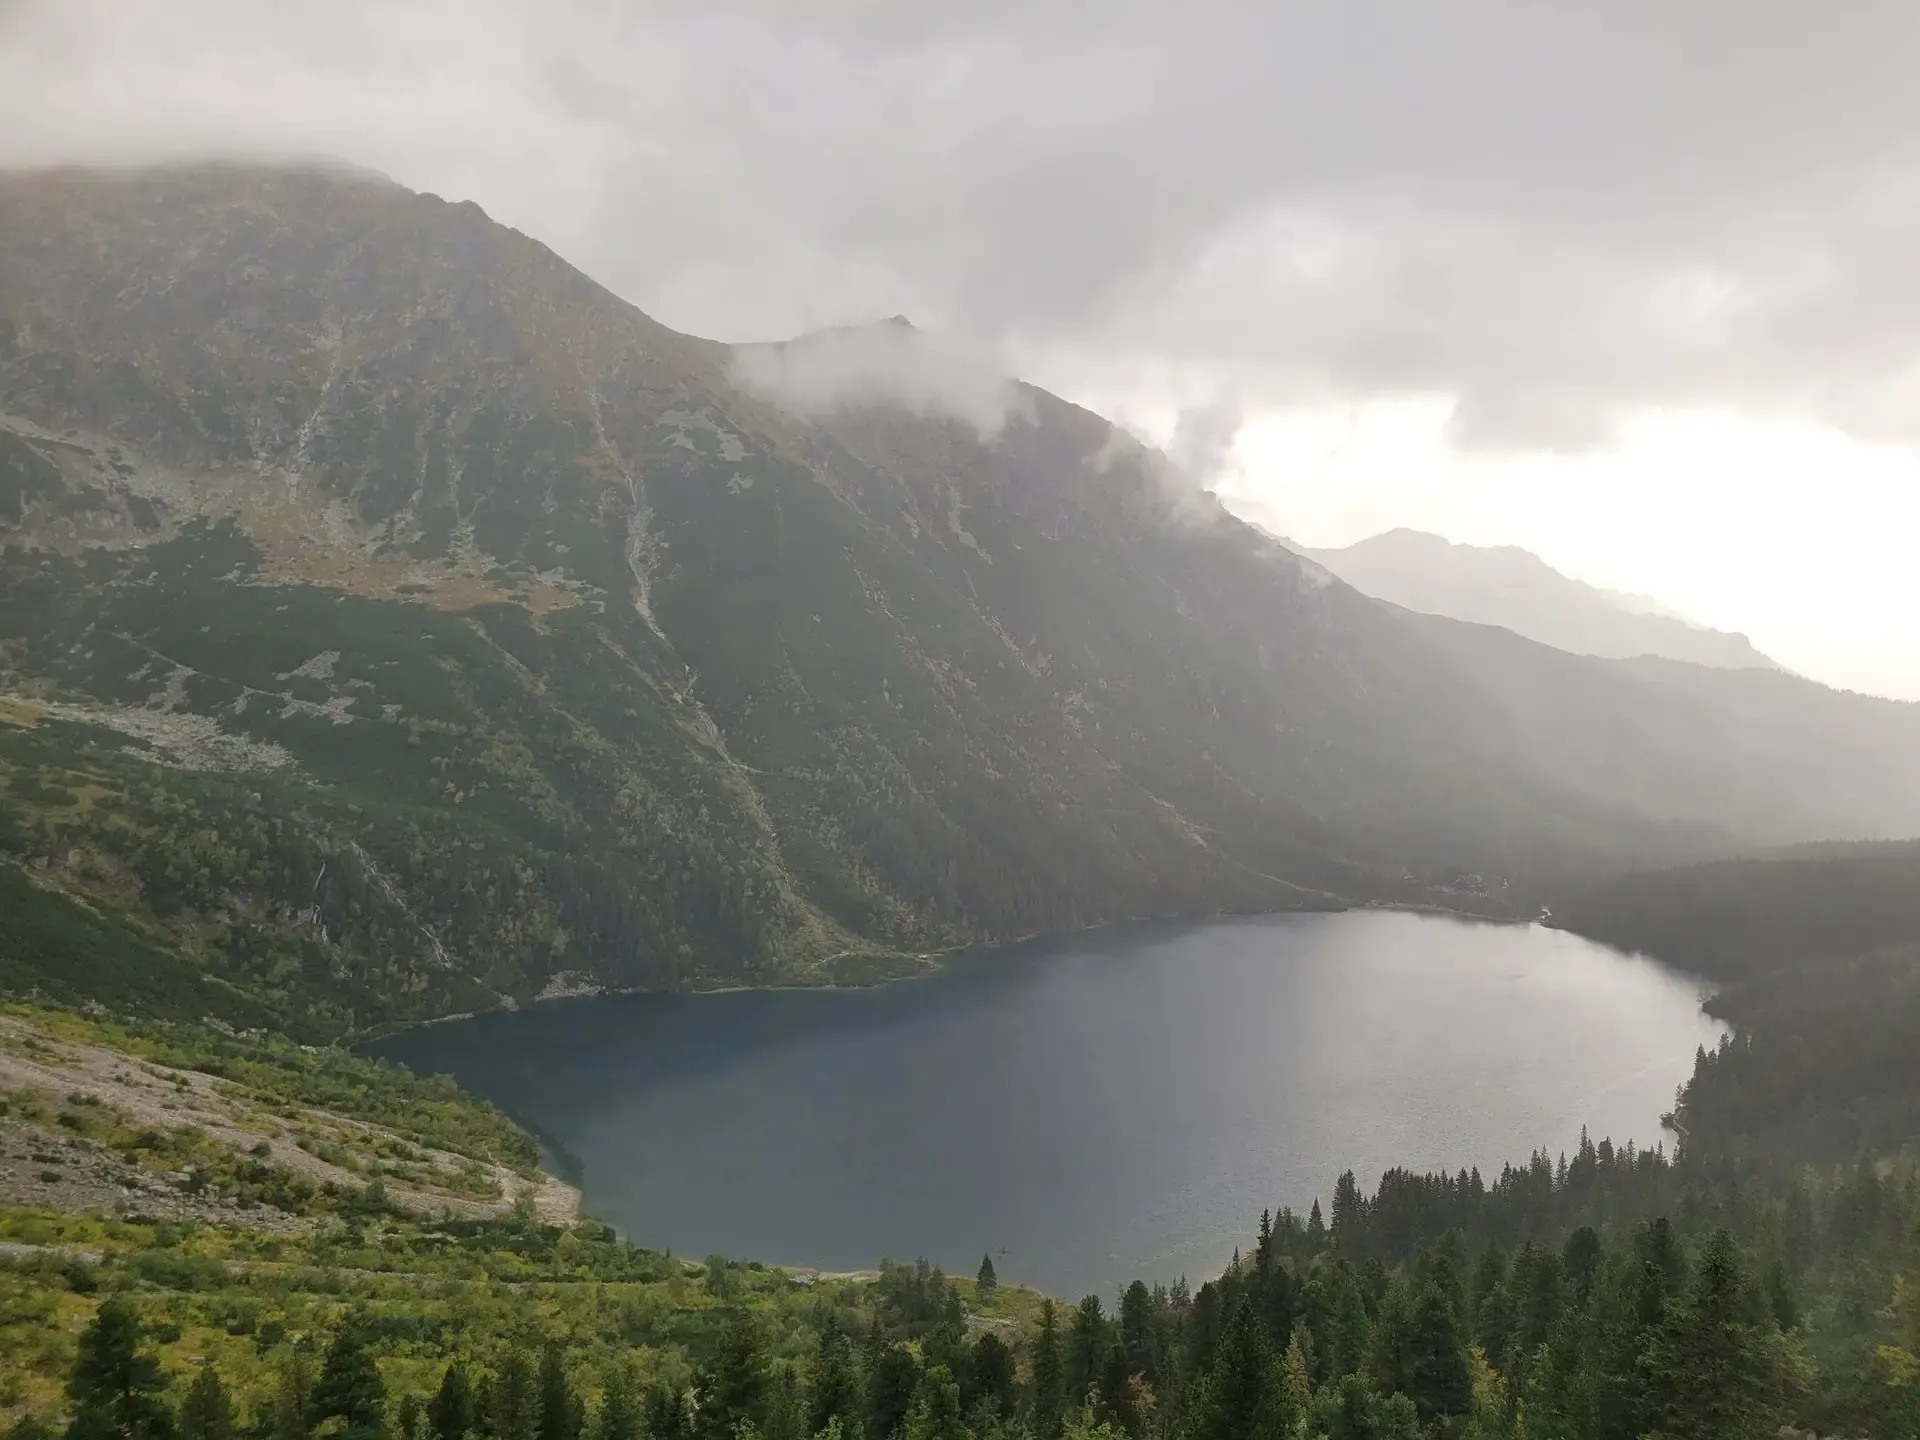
pixel 1090 1108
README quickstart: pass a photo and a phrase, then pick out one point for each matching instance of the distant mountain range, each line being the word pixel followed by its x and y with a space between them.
pixel 1513 588
pixel 392 619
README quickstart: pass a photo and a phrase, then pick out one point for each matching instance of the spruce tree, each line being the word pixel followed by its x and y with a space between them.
pixel 1494 1318
pixel 1349 1211
pixel 732 1388
pixel 991 1372
pixel 786 1408
pixel 1663 1269
pixel 618 1417
pixel 206 1413
pixel 1713 1373
pixel 1238 1398
pixel 1390 1343
pixel 986 1283
pixel 349 1388
pixel 1280 1306
pixel 510 1407
pixel 1206 1323
pixel 1444 1266
pixel 892 1378
pixel 1617 1388
pixel 450 1414
pixel 953 1313
pixel 1086 1350
pixel 1780 1301
pixel 1049 1376
pixel 114 1385
pixel 837 1391
pixel 1438 1380
pixel 1580 1265
pixel 1296 1385
pixel 1349 1330
pixel 1346 1409
pixel 1395 1418
pixel 1139 1335
pixel 946 1344
pixel 934 1413
pixel 292 1417
pixel 663 1416
pixel 1560 1381
pixel 1536 1289
pixel 559 1409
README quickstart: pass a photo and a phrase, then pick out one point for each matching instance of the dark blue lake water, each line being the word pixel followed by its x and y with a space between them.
pixel 1089 1108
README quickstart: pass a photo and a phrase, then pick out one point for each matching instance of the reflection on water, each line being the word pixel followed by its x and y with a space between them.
pixel 1091 1108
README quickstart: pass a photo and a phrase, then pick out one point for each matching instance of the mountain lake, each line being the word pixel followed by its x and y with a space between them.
pixel 1088 1108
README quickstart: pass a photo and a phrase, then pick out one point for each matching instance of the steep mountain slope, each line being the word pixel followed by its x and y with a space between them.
pixel 1788 759
pixel 1515 589
pixel 396 619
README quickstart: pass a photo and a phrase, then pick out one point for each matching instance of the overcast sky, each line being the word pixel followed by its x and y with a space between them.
pixel 1634 284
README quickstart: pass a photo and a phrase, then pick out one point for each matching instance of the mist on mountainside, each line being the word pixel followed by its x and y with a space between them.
pixel 887 363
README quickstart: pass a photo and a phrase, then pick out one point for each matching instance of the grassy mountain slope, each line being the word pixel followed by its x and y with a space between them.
pixel 393 619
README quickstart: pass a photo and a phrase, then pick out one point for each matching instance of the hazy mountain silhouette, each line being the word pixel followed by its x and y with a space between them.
pixel 1514 588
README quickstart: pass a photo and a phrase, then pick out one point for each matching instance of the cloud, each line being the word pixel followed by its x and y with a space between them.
pixel 889 363
pixel 1203 440
pixel 1551 215
pixel 1542 221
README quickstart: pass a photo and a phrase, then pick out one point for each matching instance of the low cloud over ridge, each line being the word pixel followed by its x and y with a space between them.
pixel 889 362
pixel 1639 248
pixel 1549 212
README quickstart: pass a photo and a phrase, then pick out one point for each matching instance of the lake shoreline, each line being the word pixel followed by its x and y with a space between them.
pixel 932 963
pixel 1093 1109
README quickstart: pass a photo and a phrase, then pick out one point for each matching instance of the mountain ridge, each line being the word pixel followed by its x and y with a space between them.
pixel 1510 586
pixel 390 612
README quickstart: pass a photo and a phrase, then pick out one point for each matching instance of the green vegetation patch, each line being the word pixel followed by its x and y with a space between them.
pixel 285 1078
pixel 270 1313
pixel 55 948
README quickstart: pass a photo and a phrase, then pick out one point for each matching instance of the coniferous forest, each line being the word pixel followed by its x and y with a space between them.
pixel 1761 1269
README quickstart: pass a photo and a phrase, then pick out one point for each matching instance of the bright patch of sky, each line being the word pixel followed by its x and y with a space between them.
pixel 1797 536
